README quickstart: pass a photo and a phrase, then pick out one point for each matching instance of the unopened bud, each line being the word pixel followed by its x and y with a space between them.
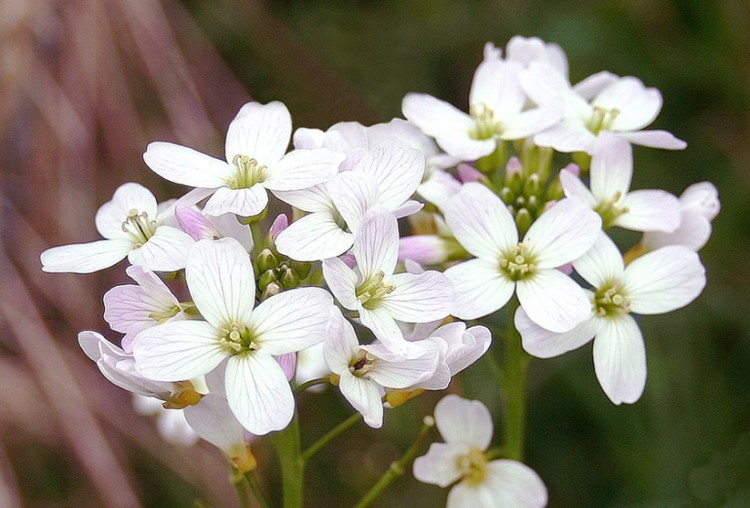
pixel 289 279
pixel 302 269
pixel 184 396
pixel 268 277
pixel 396 398
pixel 266 260
pixel 274 288
pixel 243 459
pixel 524 220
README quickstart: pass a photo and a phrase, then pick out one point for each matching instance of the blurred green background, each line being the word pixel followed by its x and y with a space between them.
pixel 87 84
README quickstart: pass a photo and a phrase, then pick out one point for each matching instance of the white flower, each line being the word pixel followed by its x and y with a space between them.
pixel 496 103
pixel 379 295
pixel 657 282
pixel 256 144
pixel 132 227
pixel 466 428
pixel 220 277
pixel 610 196
pixel 481 222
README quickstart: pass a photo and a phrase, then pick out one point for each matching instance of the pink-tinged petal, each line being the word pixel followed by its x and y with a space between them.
pixel 545 344
pixel 424 249
pixel 591 86
pixel 340 344
pixel 227 226
pixel 365 396
pixel 694 232
pixel 260 131
pixel 637 105
pixel 288 363
pixel 195 224
pixel 515 484
pixel 479 287
pixel 353 193
pixel 440 465
pixel 434 117
pixel 85 257
pixel 496 86
pixel 533 121
pixel 314 237
pixel 397 168
pixel 419 298
pixel 258 393
pixel 574 188
pixel 376 245
pixel 292 320
pixel 166 251
pixel 481 222
pixel 567 138
pixel 408 208
pixel 602 264
pixel 655 139
pixel 462 421
pixel 128 197
pixel 177 350
pixel 611 167
pixel 650 210
pixel 280 223
pixel 312 199
pixel 620 360
pixel 242 202
pixel 129 308
pixel 553 300
pixel 301 169
pixel 183 165
pixel 342 281
pixel 470 346
pixel 213 421
pixel 664 280
pixel 220 277
pixel 563 233
pixel 439 188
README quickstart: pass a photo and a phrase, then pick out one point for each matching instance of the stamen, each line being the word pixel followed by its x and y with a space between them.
pixel 139 227
pixel 249 172
pixel 518 263
pixel 486 125
pixel 372 291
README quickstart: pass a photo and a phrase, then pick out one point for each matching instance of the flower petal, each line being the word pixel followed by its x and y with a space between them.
pixel 479 288
pixel 301 169
pixel 128 197
pixel 620 359
pixel 434 117
pixel 574 188
pixel 376 245
pixel 515 484
pixel 183 165
pixel 419 298
pixel 342 281
pixel 545 344
pixel 353 193
pixel 637 105
pixel 166 251
pixel 314 237
pixel 603 263
pixel 650 210
pixel 440 465
pixel 85 257
pixel 655 139
pixel 213 420
pixel 365 396
pixel 553 300
pixel 397 168
pixel 242 202
pixel 340 343
pixel 312 199
pixel 260 131
pixel 611 167
pixel 462 421
pixel 533 121
pixel 497 86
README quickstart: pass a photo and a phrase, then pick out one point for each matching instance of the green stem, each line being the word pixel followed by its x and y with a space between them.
pixel 515 365
pixel 252 481
pixel 238 480
pixel 313 382
pixel 330 435
pixel 257 238
pixel 397 468
pixel 287 444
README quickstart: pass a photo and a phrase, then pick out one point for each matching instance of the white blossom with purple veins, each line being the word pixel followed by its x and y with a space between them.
pixel 496 111
pixel 132 228
pixel 256 161
pixel 610 195
pixel 466 427
pixel 481 222
pixel 660 281
pixel 381 296
pixel 365 371
pixel 220 277
pixel 384 178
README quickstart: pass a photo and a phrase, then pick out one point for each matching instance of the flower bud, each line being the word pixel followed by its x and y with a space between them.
pixel 266 260
pixel 274 288
pixel 267 278
pixel 288 278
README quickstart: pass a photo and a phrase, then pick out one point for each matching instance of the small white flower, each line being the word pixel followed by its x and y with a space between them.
pixel 466 427
pixel 481 222
pixel 132 227
pixel 657 282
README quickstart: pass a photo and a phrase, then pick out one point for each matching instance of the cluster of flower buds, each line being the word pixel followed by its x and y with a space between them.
pixel 514 197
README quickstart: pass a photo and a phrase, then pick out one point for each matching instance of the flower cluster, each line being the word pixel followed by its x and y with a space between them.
pixel 497 210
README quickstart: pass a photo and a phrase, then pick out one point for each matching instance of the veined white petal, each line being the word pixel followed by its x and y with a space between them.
pixel 382 324
pixel 664 280
pixel 464 421
pixel 480 288
pixel 365 396
pixel 620 359
pixel 242 202
pixel 439 187
pixel 440 465
pixel 260 131
pixel 563 233
pixel 650 210
pixel 85 257
pixel 611 166
pixel 602 263
pixel 166 251
pixel 481 222
pixel 480 496
pixel 177 350
pixel 533 121
pixel 419 298
pixel 183 165
pixel 220 277
pixel 340 343
pixel 574 188
pixel 436 118
pixel 129 309
pixel 402 372
pixel 301 169
pixel 213 420
pixel 353 193
pixel 636 104
pixel 545 344
pixel 376 245
pixel 342 281
pixel 472 345
pixel 314 237
pixel 291 320
pixel 515 484
pixel 128 197
pixel 312 199
pixel 553 300
pixel 258 393
pixel 397 168
pixel 462 146
pixel 542 83
pixel 655 139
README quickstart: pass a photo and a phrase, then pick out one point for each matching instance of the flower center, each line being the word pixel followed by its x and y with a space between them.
pixel 602 119
pixel 473 466
pixel 237 339
pixel 139 227
pixel 249 172
pixel 486 126
pixel 612 209
pixel 371 292
pixel 610 301
pixel 362 363
pixel 518 262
